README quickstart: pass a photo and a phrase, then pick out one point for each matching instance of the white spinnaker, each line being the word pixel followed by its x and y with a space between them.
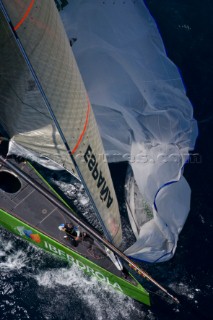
pixel 142 111
pixel 24 112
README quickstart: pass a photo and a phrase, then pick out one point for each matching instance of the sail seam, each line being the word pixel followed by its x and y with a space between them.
pixel 84 129
pixel 49 108
pixel 24 16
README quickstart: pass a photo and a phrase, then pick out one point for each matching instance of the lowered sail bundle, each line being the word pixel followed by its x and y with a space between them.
pixel 133 86
pixel 38 70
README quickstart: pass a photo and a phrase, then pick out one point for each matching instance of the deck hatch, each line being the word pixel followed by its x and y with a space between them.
pixel 9 182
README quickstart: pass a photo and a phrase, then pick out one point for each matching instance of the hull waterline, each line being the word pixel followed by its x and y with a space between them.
pixel 36 220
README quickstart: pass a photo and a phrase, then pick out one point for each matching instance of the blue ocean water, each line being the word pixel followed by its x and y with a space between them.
pixel 35 285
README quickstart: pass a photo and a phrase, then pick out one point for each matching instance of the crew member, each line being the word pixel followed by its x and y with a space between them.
pixel 72 233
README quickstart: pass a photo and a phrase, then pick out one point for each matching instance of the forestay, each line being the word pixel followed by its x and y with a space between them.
pixel 23 111
pixel 142 111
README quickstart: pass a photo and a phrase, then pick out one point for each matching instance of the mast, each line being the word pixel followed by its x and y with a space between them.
pixel 87 228
pixel 96 181
pixel 48 105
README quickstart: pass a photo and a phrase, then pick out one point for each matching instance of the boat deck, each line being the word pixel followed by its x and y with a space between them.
pixel 28 205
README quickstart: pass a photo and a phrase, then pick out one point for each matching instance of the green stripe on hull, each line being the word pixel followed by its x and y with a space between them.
pixel 48 244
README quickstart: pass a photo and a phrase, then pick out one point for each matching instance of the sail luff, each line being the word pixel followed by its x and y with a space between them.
pixel 95 172
pixel 107 234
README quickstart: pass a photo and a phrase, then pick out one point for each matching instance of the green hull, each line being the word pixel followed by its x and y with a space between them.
pixel 46 243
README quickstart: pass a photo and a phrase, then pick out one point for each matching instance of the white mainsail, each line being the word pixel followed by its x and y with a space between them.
pixel 142 111
pixel 38 70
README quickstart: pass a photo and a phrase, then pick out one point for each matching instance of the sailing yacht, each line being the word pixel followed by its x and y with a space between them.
pixel 48 118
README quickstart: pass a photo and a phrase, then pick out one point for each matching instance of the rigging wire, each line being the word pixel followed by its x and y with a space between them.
pixel 87 228
pixel 49 107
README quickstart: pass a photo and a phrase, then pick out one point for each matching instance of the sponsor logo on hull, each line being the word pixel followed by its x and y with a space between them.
pixel 25 232
pixel 81 265
pixel 29 234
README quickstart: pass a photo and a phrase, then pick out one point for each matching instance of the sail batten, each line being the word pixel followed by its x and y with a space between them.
pixel 54 82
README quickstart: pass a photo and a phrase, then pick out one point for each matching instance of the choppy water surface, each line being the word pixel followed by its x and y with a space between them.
pixel 35 285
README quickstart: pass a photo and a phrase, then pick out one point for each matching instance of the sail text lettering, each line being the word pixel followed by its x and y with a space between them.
pixel 97 175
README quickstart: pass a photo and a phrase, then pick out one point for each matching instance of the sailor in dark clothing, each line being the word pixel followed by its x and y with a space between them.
pixel 72 233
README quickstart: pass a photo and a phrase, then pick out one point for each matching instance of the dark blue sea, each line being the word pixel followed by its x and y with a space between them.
pixel 35 285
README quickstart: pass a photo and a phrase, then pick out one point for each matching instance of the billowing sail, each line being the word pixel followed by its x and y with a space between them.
pixel 133 86
pixel 38 70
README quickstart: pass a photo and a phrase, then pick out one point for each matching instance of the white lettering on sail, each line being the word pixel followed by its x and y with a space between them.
pixel 93 167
